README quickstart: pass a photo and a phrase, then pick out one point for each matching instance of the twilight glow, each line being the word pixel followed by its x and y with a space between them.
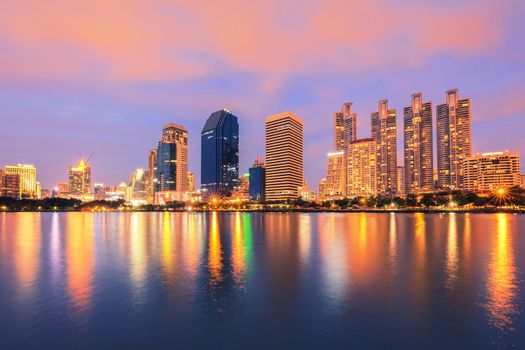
pixel 104 76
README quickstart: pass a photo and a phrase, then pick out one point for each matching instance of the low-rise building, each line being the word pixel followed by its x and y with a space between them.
pixel 486 172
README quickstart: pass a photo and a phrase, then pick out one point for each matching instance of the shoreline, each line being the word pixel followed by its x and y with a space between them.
pixel 404 211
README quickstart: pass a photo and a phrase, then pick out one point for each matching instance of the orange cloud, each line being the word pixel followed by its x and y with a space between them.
pixel 165 40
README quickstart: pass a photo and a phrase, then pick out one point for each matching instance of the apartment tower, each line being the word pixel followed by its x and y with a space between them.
pixel 454 141
pixel 384 133
pixel 418 145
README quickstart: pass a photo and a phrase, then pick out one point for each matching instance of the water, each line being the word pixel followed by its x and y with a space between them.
pixel 261 280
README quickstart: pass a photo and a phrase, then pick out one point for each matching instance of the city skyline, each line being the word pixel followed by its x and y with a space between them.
pixel 84 89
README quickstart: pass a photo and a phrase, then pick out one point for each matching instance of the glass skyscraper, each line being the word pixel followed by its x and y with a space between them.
pixel 257 181
pixel 172 159
pixel 220 153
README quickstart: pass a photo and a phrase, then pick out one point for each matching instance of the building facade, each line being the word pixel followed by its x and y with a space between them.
pixel 9 185
pixel 191 181
pixel 152 167
pixel 362 168
pixel 220 154
pixel 138 186
pixel 335 185
pixel 344 127
pixel 418 157
pixel 384 133
pixel 79 179
pixel 284 156
pixel 171 169
pixel 485 172
pixel 27 179
pixel 99 192
pixel 401 189
pixel 257 178
pixel 454 141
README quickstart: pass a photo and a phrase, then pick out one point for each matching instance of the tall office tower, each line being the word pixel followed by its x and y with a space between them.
pixel 80 179
pixel 344 127
pixel 137 185
pixel 335 186
pixel 418 145
pixel 284 156
pixel 27 174
pixel 191 181
pixel 362 168
pixel 384 133
pixel 171 173
pixel 220 153
pixel 257 180
pixel 485 172
pixel 454 141
pixel 401 189
pixel 152 167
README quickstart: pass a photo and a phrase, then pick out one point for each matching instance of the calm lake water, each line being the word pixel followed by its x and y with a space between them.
pixel 261 280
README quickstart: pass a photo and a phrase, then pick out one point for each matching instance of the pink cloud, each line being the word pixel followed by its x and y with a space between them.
pixel 144 40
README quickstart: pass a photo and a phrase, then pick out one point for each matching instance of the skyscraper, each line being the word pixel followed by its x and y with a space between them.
pixel 284 156
pixel 384 133
pixel 344 127
pixel 453 139
pixel 418 145
pixel 220 153
pixel 172 160
pixel 257 180
pixel 27 175
pixel 80 179
pixel 152 167
pixel 362 168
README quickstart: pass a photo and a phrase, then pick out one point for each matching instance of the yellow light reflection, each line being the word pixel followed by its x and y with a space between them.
pixel 452 250
pixel 501 279
pixel 238 258
pixel 137 252
pixel 305 237
pixel 80 258
pixel 26 252
pixel 215 251
pixel 392 240
pixel 167 246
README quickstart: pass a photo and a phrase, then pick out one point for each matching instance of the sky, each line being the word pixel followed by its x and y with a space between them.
pixel 101 78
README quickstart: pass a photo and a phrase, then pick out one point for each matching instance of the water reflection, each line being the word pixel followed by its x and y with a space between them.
pixel 80 256
pixel 137 254
pixel 502 280
pixel 55 249
pixel 214 251
pixel 342 275
pixel 26 250
pixel 238 258
pixel 452 251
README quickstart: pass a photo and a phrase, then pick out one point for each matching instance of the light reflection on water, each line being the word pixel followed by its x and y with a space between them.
pixel 122 279
pixel 501 278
